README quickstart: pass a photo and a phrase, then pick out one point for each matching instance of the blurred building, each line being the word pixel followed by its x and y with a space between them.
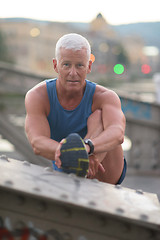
pixel 31 44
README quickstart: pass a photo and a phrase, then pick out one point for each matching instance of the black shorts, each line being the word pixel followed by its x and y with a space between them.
pixel 123 173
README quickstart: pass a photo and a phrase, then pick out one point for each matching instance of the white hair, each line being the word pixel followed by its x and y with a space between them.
pixel 72 41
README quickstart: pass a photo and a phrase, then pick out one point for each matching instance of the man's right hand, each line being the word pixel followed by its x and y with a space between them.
pixel 58 153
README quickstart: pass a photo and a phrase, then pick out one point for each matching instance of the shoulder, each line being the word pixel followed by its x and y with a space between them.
pixel 37 96
pixel 104 96
pixel 37 90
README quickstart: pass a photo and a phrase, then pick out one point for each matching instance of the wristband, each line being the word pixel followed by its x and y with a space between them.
pixel 90 144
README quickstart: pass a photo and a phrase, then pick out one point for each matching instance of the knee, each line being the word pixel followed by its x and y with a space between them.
pixel 95 124
pixel 96 116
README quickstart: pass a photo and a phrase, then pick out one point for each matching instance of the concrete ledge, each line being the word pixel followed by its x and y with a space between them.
pixel 48 200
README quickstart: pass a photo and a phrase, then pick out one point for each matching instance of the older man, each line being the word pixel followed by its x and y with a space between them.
pixel 70 104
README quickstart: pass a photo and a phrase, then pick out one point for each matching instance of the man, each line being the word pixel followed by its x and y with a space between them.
pixel 71 104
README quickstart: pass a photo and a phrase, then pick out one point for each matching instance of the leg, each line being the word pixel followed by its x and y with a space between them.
pixel 112 161
pixel 94 128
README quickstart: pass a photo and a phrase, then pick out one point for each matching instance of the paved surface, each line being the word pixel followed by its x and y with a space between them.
pixel 149 184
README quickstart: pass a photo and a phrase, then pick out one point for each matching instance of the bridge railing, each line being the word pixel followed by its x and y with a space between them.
pixel 142 128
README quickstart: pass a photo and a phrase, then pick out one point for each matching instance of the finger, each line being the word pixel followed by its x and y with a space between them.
pixel 90 172
pixel 96 165
pixel 101 168
pixel 58 162
pixel 58 152
pixel 57 155
pixel 62 141
pixel 92 167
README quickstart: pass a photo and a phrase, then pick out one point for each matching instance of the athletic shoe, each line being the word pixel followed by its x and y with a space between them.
pixel 74 156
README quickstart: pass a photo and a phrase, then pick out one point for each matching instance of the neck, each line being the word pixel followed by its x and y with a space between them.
pixel 69 100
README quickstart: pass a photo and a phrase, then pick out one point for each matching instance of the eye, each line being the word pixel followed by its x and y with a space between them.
pixel 66 64
pixel 80 65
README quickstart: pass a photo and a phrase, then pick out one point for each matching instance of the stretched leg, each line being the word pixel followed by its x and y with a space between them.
pixel 113 160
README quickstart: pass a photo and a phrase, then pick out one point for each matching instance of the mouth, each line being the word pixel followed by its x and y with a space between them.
pixel 73 81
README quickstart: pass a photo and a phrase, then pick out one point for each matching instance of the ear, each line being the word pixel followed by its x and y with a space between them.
pixel 55 65
pixel 89 66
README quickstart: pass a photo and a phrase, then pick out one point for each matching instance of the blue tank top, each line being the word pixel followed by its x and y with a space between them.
pixel 63 122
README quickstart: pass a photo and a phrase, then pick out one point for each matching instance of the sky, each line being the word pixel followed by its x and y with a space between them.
pixel 115 12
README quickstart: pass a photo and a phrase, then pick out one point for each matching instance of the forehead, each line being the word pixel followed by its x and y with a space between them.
pixel 73 55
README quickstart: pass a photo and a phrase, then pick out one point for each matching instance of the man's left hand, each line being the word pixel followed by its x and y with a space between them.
pixel 94 166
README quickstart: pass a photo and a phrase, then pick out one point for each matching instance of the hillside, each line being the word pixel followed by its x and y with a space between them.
pixel 150 32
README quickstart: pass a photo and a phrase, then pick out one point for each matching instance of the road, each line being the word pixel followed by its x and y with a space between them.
pixel 145 183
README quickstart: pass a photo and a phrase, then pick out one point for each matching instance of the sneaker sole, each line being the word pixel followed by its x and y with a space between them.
pixel 73 156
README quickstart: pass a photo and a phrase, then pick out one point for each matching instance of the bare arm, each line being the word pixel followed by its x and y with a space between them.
pixel 36 123
pixel 113 121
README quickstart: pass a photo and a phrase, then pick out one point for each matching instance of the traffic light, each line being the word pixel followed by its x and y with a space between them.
pixel 146 69
pixel 118 68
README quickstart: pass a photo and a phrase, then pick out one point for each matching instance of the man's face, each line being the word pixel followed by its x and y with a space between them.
pixel 72 68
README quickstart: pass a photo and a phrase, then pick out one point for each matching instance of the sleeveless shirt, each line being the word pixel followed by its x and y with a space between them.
pixel 62 122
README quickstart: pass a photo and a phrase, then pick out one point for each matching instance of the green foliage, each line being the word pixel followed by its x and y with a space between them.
pixel 122 56
pixel 3 48
pixel 4 54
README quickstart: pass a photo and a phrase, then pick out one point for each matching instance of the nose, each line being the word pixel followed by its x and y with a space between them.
pixel 73 71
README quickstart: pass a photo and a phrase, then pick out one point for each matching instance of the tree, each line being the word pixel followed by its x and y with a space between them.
pixel 4 55
pixel 122 55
